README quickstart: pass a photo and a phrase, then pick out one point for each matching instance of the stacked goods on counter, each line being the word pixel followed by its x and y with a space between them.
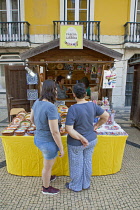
pixel 62 110
pixel 20 126
pixel 110 127
pixel 114 130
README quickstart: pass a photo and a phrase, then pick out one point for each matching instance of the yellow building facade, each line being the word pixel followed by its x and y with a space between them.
pixel 112 14
pixel 26 24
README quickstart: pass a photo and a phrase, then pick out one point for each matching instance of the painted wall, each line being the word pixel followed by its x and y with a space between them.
pixel 41 14
pixel 113 15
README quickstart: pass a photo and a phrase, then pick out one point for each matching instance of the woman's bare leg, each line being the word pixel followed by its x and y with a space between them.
pixel 46 172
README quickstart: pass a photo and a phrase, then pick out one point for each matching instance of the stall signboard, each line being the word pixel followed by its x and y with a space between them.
pixel 71 37
pixel 109 79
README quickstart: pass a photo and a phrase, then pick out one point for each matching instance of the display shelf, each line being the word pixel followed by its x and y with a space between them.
pixel 76 83
pixel 64 70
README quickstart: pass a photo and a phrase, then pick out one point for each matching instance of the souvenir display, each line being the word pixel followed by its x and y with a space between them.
pixel 20 126
pixel 32 94
pixel 31 128
pixel 31 132
pixel 33 125
pixel 63 117
pixel 22 113
pixel 99 70
pixel 67 66
pixel 27 116
pixel 87 69
pixel 63 130
pixel 16 121
pixel 58 103
pixel 51 66
pixel 20 132
pixel 25 123
pixel 93 72
pixel 32 80
pixel 21 117
pixel 23 127
pixel 59 66
pixel 8 132
pixel 62 109
pixel 109 78
pixel 114 130
pixel 12 127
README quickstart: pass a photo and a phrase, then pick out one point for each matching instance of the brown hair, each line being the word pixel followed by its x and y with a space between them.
pixel 48 91
pixel 59 78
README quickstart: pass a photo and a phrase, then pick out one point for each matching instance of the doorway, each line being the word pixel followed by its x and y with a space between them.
pixel 129 86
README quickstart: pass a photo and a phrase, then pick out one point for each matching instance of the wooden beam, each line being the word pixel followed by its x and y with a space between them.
pixel 76 61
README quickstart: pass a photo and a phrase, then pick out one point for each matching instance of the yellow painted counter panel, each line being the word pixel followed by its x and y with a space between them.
pixel 23 158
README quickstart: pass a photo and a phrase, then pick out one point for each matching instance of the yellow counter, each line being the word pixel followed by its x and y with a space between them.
pixel 24 159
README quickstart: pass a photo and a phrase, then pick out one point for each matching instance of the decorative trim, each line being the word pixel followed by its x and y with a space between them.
pixel 22 10
pixel 133 10
pixel 62 16
pixel 92 8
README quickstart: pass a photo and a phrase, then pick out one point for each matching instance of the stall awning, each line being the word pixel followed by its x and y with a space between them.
pixel 86 43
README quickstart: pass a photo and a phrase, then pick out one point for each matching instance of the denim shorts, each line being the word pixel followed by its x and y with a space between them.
pixel 48 149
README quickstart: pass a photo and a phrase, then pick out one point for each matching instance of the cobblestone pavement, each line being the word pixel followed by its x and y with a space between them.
pixel 117 191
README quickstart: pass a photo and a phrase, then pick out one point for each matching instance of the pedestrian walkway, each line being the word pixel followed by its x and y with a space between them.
pixel 3 117
pixel 111 192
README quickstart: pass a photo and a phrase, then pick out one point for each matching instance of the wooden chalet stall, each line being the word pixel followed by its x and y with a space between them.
pixel 135 106
pixel 48 61
pixel 90 61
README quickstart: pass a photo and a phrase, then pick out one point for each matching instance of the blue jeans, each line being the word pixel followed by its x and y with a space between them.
pixel 49 149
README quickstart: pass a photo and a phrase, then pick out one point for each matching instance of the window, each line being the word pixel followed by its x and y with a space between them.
pixel 14 10
pixel 9 10
pixel 138 12
pixel 77 10
pixel 3 12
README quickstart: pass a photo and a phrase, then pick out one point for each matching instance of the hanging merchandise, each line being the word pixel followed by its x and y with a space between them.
pixel 99 70
pixel 31 80
pixel 109 78
pixel 68 66
pixel 32 94
pixel 93 74
pixel 60 66
pixel 86 68
pixel 80 67
pixel 97 80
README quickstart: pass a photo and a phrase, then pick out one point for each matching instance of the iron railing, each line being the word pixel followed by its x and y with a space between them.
pixel 91 29
pixel 132 32
pixel 14 31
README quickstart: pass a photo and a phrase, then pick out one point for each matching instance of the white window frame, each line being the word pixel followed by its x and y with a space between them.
pixel 21 17
pixel 133 18
pixel 92 2
pixel 9 10
pixel 133 10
